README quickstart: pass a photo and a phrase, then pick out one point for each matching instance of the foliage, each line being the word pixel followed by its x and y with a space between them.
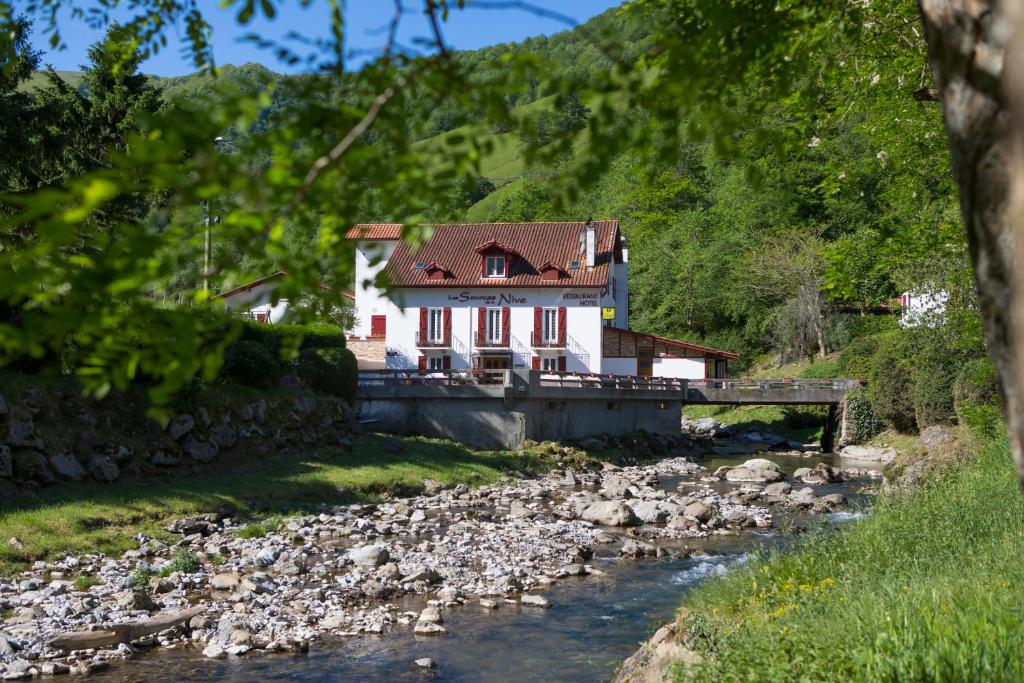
pixel 258 529
pixel 250 363
pixel 184 562
pixel 331 371
pixel 855 359
pixel 952 617
pixel 84 582
pixel 977 383
pixel 891 382
pixel 865 424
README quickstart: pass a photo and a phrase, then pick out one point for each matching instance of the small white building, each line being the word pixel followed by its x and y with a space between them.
pixel 546 296
pixel 256 299
pixel 922 307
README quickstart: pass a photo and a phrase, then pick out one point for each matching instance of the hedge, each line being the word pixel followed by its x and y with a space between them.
pixel 250 363
pixel 331 371
pixel 891 383
pixel 863 421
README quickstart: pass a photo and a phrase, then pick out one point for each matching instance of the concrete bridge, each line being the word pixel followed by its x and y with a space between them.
pixel 502 408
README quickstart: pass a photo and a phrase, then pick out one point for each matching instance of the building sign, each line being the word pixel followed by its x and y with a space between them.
pixel 591 299
pixel 607 313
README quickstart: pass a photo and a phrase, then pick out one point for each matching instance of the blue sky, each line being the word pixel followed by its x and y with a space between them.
pixel 366 19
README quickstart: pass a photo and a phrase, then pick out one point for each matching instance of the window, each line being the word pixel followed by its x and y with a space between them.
pixel 549 329
pixel 436 362
pixel 435 325
pixel 495 266
pixel 549 364
pixel 662 405
pixel 494 325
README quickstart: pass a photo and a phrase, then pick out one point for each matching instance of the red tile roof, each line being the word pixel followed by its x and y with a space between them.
pixel 347 293
pixel 375 231
pixel 453 247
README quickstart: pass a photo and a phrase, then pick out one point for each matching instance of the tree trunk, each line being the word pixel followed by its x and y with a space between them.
pixel 967 41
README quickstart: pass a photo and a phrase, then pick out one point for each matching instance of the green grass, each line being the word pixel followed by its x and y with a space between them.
pixel 798 424
pixel 259 529
pixel 89 517
pixel 927 588
pixel 84 582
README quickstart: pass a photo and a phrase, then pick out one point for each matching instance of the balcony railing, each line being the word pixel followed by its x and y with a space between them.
pixel 484 341
pixel 426 342
pixel 539 341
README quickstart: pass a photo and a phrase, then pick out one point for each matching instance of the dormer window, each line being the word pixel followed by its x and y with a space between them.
pixel 494 266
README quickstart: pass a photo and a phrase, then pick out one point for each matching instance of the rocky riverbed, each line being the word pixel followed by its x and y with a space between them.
pixel 358 569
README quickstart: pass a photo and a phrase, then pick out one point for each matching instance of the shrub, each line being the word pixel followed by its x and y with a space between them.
pixel 140 578
pixel 934 376
pixel 84 582
pixel 821 369
pixel 977 382
pixel 250 363
pixel 184 562
pixel 855 360
pixel 331 371
pixel 890 383
pixel 863 421
pixel 321 336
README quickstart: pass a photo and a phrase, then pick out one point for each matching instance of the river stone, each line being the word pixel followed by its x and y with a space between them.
pixel 699 511
pixel 103 469
pixel 610 513
pixel 180 426
pixel 869 453
pixel 431 614
pixel 422 574
pixel 224 435
pixel 743 473
pixel 762 464
pixel 136 599
pixel 638 549
pixel 833 500
pixel 67 467
pixel 779 488
pixel 426 663
pixel 425 628
pixel 519 511
pixel 804 496
pixel 650 511
pixel 21 430
pixel 369 555
pixel 616 487
pixel 31 465
pixel 6 461
pixel 535 601
pixel 935 435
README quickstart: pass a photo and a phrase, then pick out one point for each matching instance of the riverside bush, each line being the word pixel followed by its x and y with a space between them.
pixel 855 360
pixel 926 588
pixel 934 375
pixel 891 383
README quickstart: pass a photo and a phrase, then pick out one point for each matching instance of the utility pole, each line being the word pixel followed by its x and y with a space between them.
pixel 207 242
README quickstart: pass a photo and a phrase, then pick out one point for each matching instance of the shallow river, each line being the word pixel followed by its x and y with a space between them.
pixel 593 624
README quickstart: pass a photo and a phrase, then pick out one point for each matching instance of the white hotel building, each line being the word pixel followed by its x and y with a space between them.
pixel 546 296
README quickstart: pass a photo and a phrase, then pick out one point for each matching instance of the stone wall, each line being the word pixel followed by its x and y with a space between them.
pixel 368 351
pixel 50 433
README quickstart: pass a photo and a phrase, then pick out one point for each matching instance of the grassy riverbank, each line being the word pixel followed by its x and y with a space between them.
pixel 927 588
pixel 85 517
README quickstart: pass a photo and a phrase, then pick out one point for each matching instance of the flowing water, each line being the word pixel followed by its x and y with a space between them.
pixel 593 624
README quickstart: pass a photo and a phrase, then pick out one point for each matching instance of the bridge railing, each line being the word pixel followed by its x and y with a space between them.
pixel 774 384
pixel 582 380
pixel 381 378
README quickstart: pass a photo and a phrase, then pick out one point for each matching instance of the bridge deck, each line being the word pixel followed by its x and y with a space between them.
pixel 516 384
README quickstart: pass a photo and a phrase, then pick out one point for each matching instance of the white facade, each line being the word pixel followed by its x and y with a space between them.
pixel 922 307
pixel 258 301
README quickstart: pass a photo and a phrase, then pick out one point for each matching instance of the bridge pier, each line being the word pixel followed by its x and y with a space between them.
pixel 833 423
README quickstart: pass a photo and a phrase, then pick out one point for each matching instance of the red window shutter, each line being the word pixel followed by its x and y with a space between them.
pixel 506 325
pixel 481 325
pixel 446 362
pixel 562 315
pixel 561 361
pixel 423 324
pixel 536 362
pixel 538 317
pixel 708 368
pixel 422 364
pixel 447 324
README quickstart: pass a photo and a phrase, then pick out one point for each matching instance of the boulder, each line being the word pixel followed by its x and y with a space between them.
pixel 616 487
pixel 779 488
pixel 199 450
pixel 638 549
pixel 432 487
pixel 534 601
pixel 136 599
pixel 759 476
pixel 650 511
pixel 180 425
pixel 699 511
pixel 67 467
pixel 804 496
pixel 31 465
pixel 225 581
pixel 21 431
pixel 224 435
pixel 426 663
pixel 432 615
pixel 869 453
pixel 369 555
pixel 762 464
pixel 935 435
pixel 103 469
pixel 425 628
pixel 610 513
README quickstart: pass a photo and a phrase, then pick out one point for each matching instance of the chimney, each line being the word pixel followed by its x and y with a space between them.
pixel 591 243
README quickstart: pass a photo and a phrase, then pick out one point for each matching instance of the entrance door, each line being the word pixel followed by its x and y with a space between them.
pixel 645 362
pixel 378 325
